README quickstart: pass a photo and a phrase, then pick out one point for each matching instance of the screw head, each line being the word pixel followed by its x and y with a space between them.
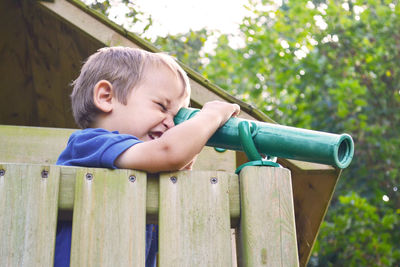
pixel 89 176
pixel 214 180
pixel 45 174
pixel 2 172
pixel 173 179
pixel 132 178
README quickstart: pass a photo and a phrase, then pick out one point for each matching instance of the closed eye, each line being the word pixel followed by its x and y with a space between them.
pixel 162 106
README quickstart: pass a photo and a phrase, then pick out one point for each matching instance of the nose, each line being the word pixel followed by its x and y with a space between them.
pixel 169 121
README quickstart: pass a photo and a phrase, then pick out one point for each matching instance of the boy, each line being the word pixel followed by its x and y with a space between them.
pixel 125 100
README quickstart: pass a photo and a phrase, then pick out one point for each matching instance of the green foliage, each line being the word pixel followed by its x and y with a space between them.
pixel 357 235
pixel 185 47
pixel 132 14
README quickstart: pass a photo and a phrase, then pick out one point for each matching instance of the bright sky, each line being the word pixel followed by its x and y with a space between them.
pixel 178 16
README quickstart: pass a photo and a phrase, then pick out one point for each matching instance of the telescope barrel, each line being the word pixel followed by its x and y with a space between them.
pixel 282 141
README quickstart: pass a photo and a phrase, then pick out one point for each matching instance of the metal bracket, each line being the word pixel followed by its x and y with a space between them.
pixel 246 135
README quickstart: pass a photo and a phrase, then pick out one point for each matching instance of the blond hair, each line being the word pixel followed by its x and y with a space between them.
pixel 123 67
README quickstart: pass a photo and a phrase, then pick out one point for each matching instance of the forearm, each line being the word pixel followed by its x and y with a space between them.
pixel 187 139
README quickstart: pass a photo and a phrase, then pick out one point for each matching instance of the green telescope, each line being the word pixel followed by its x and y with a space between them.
pixel 275 140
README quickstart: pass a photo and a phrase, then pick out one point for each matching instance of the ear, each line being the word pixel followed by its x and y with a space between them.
pixel 102 95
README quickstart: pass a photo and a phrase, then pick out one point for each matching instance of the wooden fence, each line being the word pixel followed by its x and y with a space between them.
pixel 195 210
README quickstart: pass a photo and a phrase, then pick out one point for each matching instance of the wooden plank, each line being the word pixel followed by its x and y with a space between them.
pixel 312 193
pixel 306 166
pixel 44 145
pixel 210 159
pixel 267 225
pixel 93 27
pixel 194 219
pixel 28 214
pixel 109 218
pixel 19 144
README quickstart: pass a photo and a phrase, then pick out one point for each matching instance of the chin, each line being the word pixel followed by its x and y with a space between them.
pixel 146 138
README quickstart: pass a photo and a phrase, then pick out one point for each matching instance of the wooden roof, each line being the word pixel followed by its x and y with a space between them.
pixel 42 48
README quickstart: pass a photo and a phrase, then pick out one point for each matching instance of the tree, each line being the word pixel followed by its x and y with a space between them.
pixel 185 47
pixel 356 235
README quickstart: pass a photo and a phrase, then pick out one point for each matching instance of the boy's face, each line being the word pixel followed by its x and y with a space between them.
pixel 152 105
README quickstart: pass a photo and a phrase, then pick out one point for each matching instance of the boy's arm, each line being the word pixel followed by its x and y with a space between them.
pixel 178 146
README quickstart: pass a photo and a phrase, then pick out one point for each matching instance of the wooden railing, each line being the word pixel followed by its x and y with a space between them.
pixel 196 212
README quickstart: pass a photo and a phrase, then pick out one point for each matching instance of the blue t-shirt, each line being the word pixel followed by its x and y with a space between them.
pixel 96 148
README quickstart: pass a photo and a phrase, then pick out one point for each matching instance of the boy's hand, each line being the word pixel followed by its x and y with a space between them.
pixel 221 111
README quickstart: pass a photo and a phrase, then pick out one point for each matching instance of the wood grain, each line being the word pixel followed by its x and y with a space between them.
pixel 109 218
pixel 28 214
pixel 194 219
pixel 267 224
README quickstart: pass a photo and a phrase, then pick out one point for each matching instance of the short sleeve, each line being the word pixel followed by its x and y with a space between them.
pixel 95 148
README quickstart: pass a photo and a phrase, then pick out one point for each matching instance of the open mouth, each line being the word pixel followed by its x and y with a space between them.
pixel 155 135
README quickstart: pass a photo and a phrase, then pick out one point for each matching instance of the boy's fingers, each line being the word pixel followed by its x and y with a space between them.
pixel 236 111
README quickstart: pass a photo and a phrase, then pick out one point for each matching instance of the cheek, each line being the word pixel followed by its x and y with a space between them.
pixel 185 103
